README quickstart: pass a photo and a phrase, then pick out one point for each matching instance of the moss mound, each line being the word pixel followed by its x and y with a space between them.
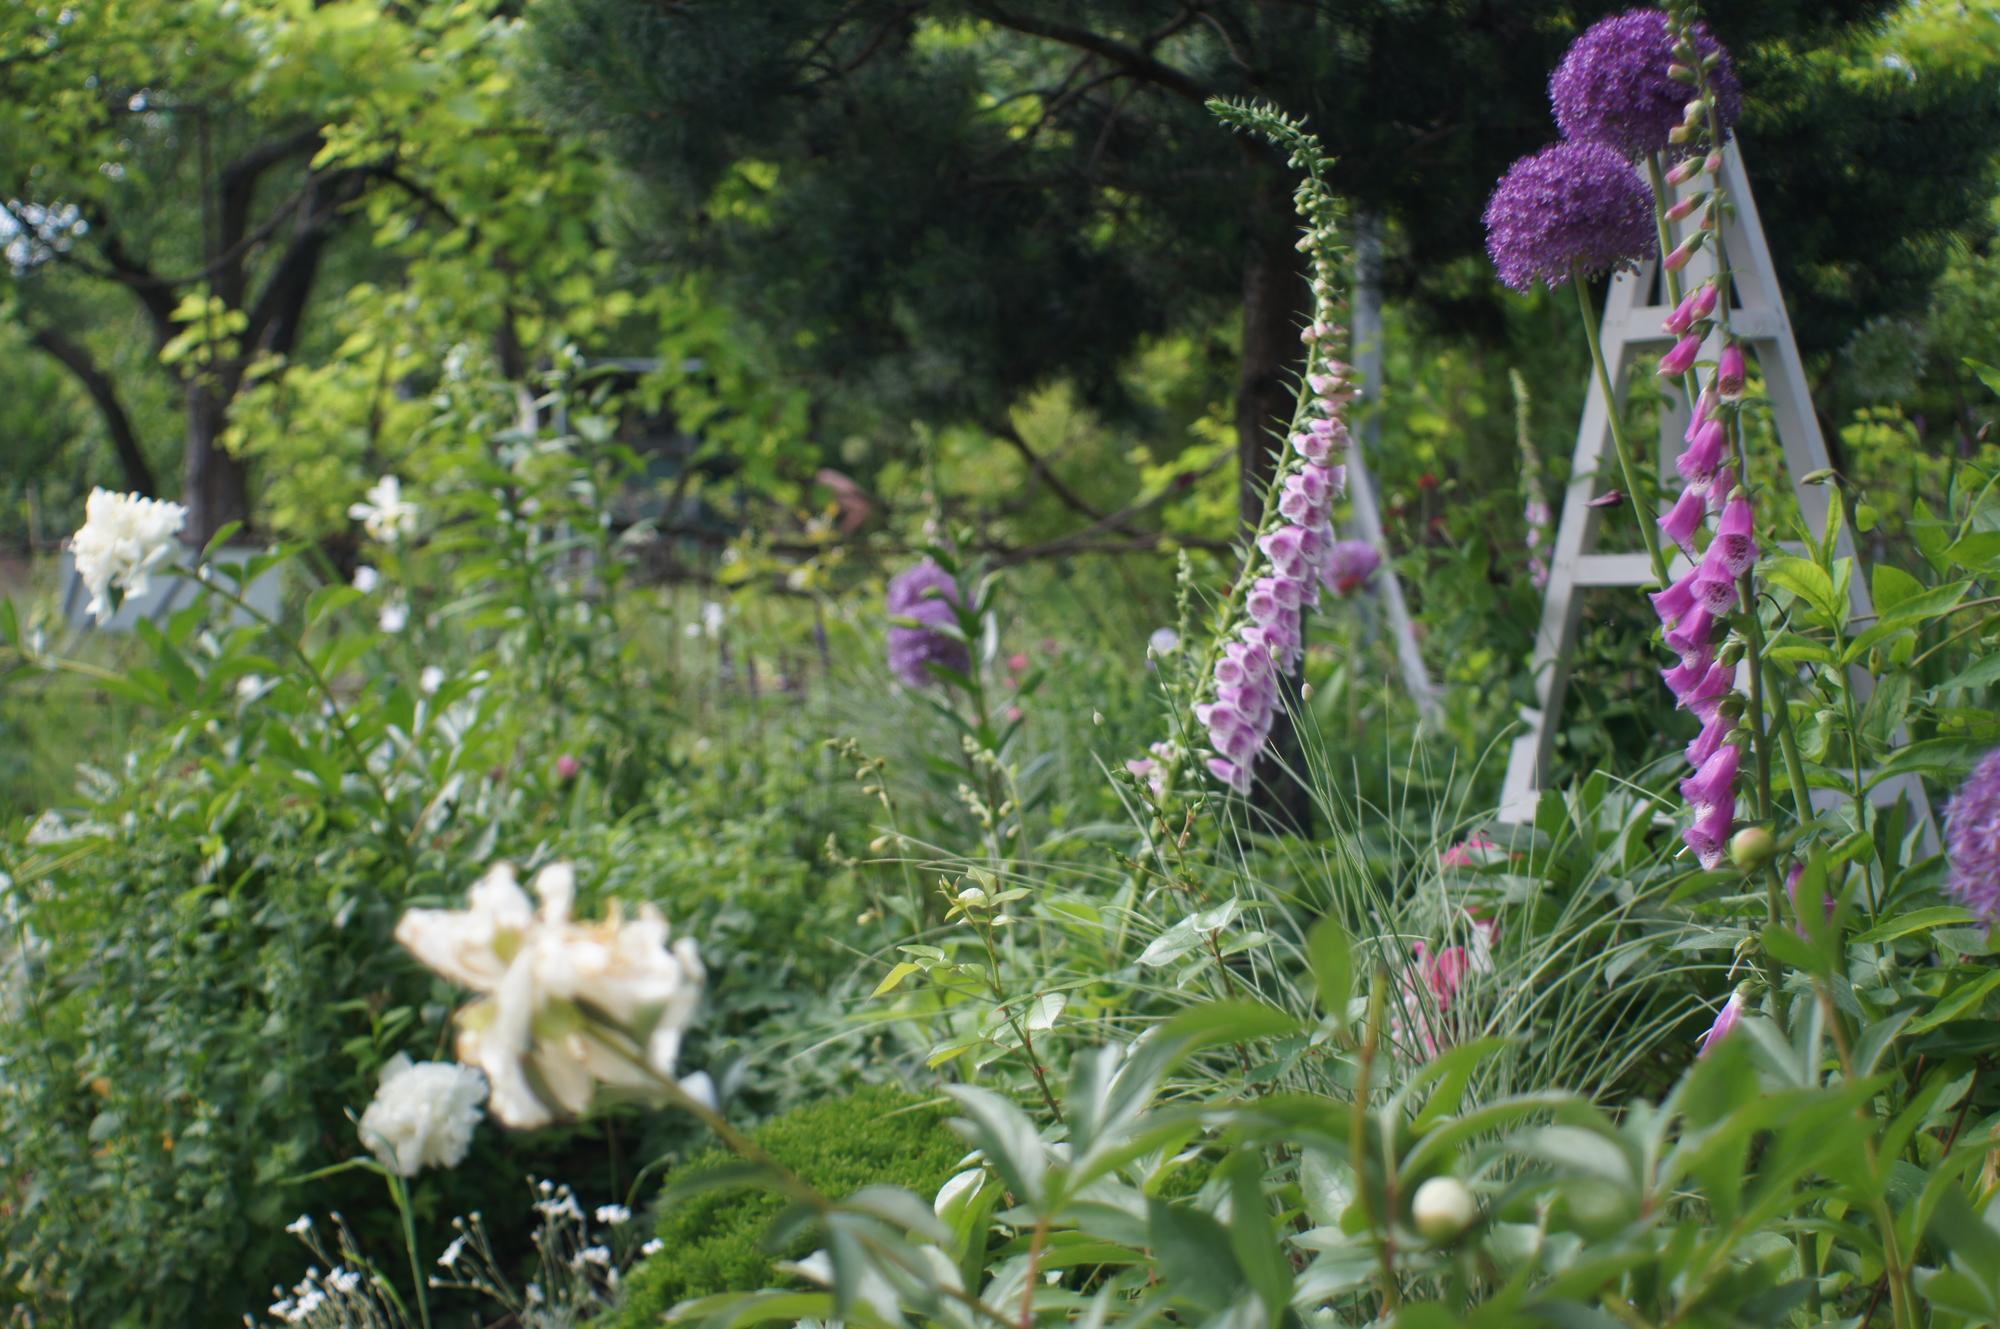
pixel 713 1242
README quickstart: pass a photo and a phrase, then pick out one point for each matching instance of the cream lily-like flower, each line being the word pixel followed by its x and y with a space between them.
pixel 565 1007
pixel 123 538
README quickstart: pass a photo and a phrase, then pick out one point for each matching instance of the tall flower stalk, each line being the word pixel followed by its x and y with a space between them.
pixel 1291 554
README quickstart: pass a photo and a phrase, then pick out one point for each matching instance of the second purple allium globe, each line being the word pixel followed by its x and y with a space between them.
pixel 927 594
pixel 1570 207
pixel 1613 87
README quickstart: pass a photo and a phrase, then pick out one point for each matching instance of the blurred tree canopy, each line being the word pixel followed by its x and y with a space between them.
pixel 205 197
pixel 940 204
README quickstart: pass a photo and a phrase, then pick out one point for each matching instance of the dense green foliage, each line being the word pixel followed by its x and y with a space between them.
pixel 714 1240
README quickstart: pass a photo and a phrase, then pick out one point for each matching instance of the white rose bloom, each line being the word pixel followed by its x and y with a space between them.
pixel 423 1114
pixel 386 515
pixel 565 1007
pixel 123 538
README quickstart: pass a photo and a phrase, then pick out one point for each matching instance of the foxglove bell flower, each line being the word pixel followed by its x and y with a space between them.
pixel 1695 306
pixel 1685 518
pixel 1691 632
pixel 1703 455
pixel 564 1007
pixel 928 595
pixel 1725 1021
pixel 1730 373
pixel 1570 208
pixel 1675 601
pixel 1972 840
pixel 1680 359
pixel 1351 565
pixel 1714 731
pixel 122 539
pixel 1735 544
pixel 1613 87
pixel 1708 836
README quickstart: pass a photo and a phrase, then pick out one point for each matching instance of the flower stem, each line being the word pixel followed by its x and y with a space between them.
pixel 1647 535
pixel 400 1195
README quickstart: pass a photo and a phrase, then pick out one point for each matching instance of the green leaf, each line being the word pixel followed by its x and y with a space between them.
pixel 1977 552
pixel 1957 1002
pixel 1979 675
pixel 1331 957
pixel 1891 587
pixel 1194 1254
pixel 1942 758
pixel 894 977
pixel 1805 579
pixel 1921 920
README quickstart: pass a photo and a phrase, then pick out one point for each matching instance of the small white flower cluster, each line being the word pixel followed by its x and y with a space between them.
pixel 579 1269
pixel 565 1007
pixel 387 516
pixel 123 538
pixel 345 1297
pixel 423 1114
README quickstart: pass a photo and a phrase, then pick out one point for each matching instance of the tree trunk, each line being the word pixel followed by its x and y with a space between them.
pixel 218 489
pixel 1273 304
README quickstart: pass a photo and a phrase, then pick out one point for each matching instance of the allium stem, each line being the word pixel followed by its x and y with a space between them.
pixel 1587 307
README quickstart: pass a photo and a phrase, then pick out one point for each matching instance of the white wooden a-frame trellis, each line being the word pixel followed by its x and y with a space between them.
pixel 1634 311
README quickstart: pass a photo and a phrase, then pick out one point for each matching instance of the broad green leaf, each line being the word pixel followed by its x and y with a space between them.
pixel 1331 956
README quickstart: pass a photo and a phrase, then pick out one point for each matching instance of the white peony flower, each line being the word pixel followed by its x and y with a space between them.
pixel 123 538
pixel 565 1007
pixel 386 515
pixel 423 1114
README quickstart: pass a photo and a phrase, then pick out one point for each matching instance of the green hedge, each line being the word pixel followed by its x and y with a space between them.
pixel 713 1242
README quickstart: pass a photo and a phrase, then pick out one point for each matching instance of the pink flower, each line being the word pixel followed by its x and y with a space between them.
pixel 1705 698
pixel 1286 547
pixel 1685 677
pixel 568 768
pixel 1709 835
pixel 1735 545
pixel 1229 773
pixel 1681 359
pixel 1713 731
pixel 1017 662
pixel 1460 855
pixel 1315 448
pixel 1703 457
pixel 1674 602
pixel 1732 1013
pixel 1685 518
pixel 1730 373
pixel 1696 305
pixel 1715 782
pixel 1691 632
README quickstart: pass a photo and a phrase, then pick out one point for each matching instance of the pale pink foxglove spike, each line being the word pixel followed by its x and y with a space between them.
pixel 1691 632
pixel 1709 835
pixel 1705 744
pixel 1705 699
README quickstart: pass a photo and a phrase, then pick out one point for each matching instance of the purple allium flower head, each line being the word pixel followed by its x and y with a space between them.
pixel 1350 565
pixel 1732 1012
pixel 1972 839
pixel 927 594
pixel 1613 88
pixel 1570 206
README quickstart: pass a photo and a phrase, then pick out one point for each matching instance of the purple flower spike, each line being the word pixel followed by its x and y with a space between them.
pixel 1685 677
pixel 1972 839
pixel 1573 206
pixel 1613 87
pixel 1732 1012
pixel 1695 306
pixel 1730 373
pixel 927 594
pixel 1685 518
pixel 1706 698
